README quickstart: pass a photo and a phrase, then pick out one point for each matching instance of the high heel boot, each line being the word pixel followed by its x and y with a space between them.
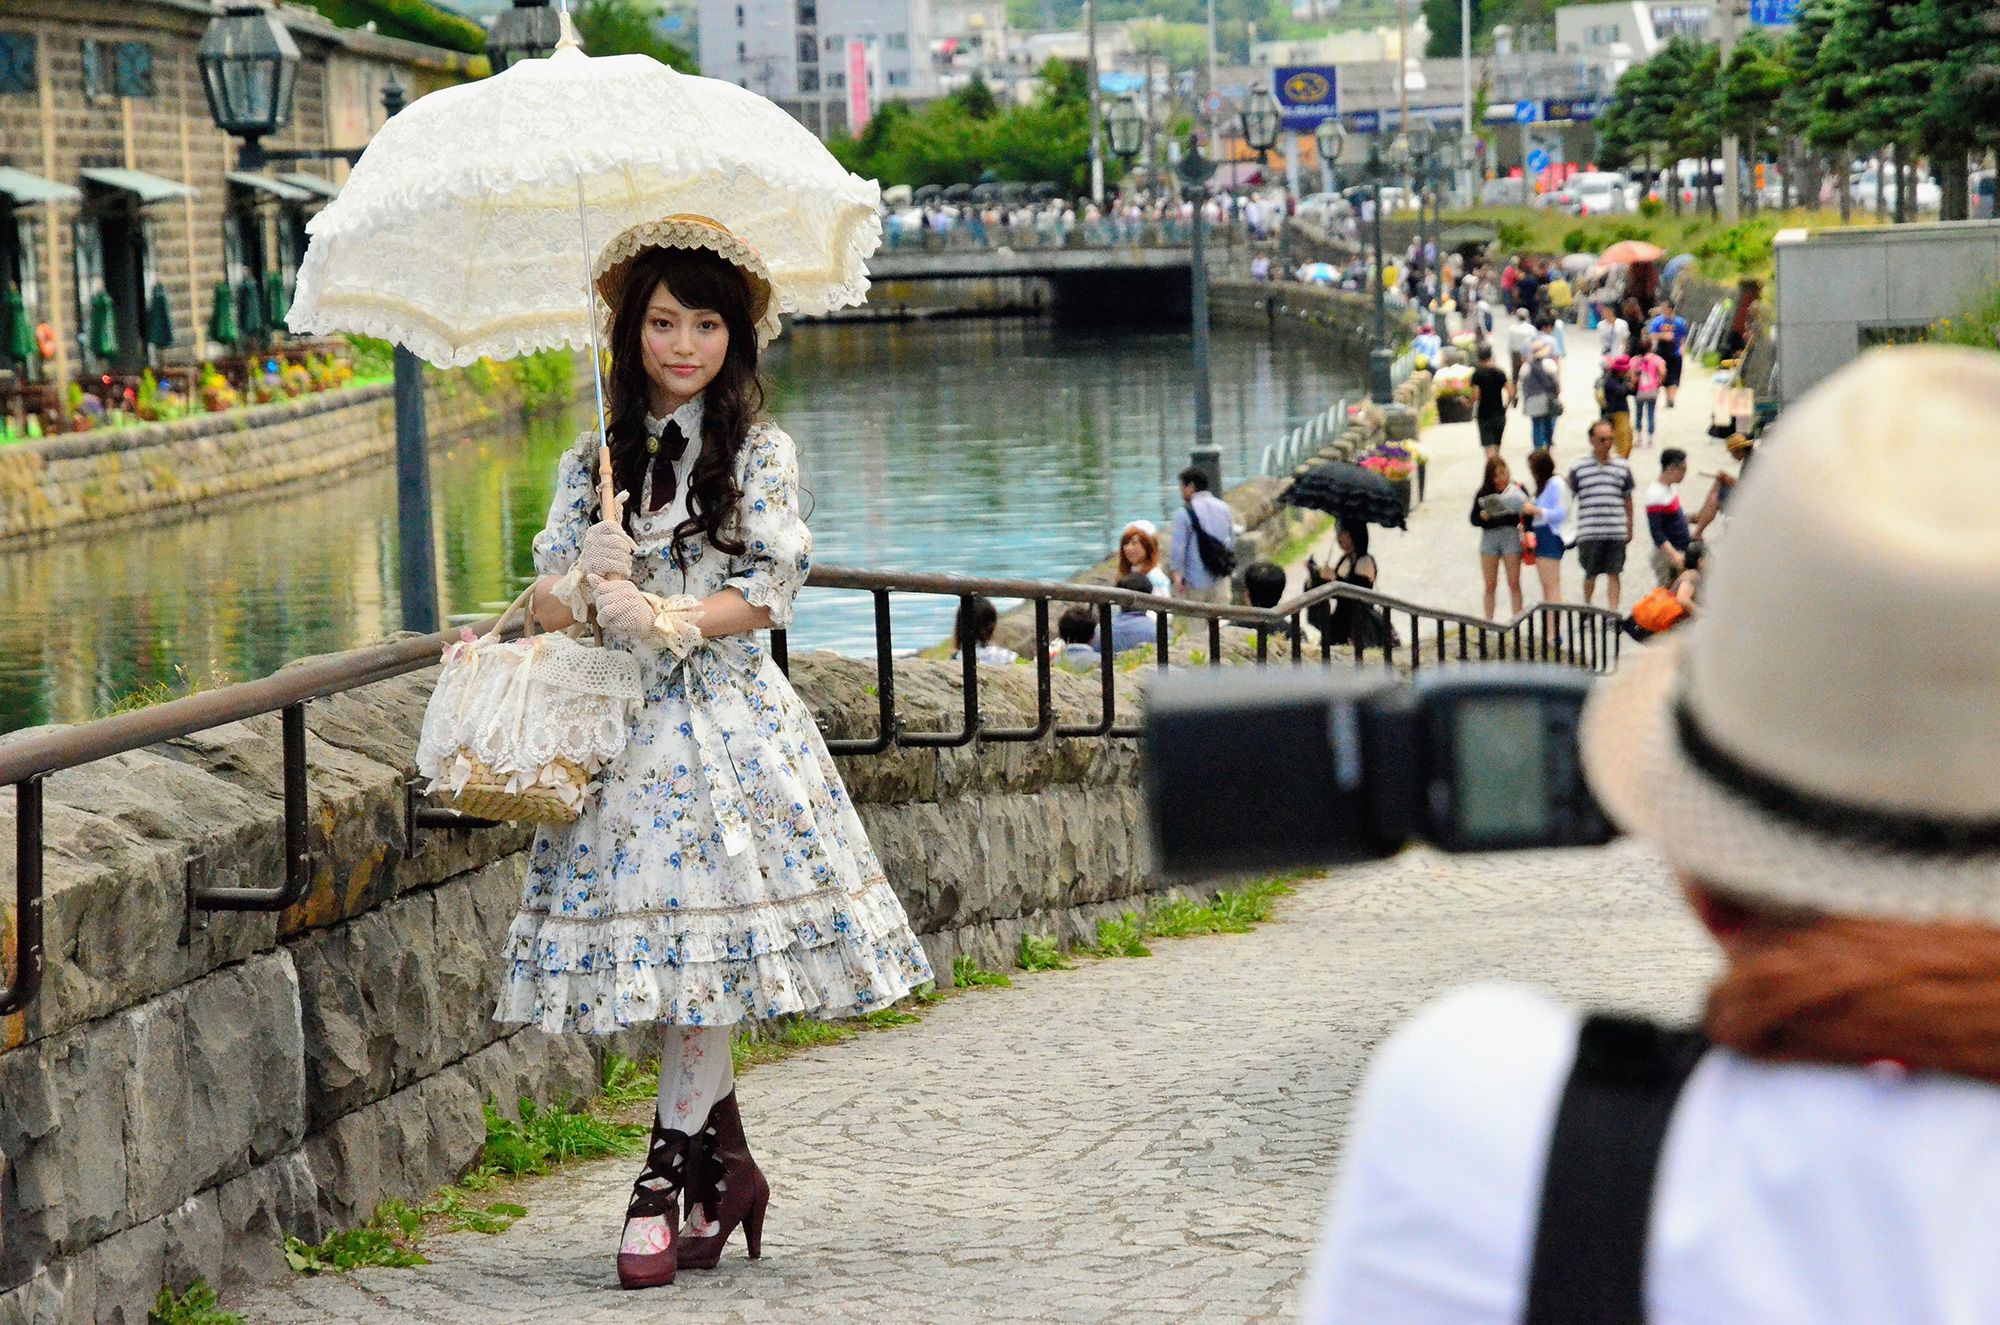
pixel 657 1195
pixel 727 1186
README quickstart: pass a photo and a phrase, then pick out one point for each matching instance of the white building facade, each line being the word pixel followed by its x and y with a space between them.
pixel 796 52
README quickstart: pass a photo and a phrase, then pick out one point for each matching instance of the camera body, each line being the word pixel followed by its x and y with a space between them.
pixel 1269 768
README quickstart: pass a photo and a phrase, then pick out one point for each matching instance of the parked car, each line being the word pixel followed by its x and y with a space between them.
pixel 1982 196
pixel 1504 193
pixel 1598 193
pixel 1861 189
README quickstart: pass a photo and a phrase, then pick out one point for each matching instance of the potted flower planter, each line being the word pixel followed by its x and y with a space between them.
pixel 1402 487
pixel 1454 409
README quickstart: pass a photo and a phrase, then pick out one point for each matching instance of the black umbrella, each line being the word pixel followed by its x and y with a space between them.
pixel 927 192
pixel 957 192
pixel 1349 493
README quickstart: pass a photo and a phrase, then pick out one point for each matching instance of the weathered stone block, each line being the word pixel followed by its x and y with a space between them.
pixel 257 1210
pixel 62 1133
pixel 218 1083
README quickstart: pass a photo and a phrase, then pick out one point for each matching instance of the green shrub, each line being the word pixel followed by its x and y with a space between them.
pixel 1652 208
pixel 548 380
pixel 1123 937
pixel 969 974
pixel 1576 241
pixel 1041 954
pixel 197 1306
pixel 372 357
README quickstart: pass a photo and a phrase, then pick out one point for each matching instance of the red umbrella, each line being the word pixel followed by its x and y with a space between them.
pixel 1631 252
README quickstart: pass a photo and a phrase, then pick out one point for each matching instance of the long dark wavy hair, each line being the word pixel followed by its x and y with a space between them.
pixel 699 279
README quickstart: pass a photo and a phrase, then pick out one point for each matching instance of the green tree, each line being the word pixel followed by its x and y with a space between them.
pixel 976 99
pixel 629 27
pixel 1751 97
pixel 1961 113
pixel 1441 17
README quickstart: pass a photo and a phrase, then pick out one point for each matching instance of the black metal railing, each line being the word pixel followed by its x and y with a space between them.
pixel 1555 633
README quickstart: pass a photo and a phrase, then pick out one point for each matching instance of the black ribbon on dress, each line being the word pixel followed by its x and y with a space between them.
pixel 666 451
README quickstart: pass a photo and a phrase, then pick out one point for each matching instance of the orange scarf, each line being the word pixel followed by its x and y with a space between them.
pixel 1850 991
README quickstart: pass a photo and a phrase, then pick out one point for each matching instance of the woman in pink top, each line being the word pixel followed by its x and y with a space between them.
pixel 1649 371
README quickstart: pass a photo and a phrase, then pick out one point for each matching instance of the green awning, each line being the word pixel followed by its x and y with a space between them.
pixel 244 179
pixel 298 179
pixel 24 188
pixel 143 187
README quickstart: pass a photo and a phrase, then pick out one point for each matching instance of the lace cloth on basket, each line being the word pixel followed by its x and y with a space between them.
pixel 519 706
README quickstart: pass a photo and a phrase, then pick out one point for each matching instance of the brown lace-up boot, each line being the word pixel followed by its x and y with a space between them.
pixel 727 1187
pixel 657 1194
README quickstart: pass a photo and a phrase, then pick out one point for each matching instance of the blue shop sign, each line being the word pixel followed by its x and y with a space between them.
pixel 1774 13
pixel 1572 108
pixel 1307 94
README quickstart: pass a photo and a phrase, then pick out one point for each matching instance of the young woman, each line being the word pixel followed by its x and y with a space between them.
pixel 1357 625
pixel 1496 510
pixel 976 622
pixel 720 874
pixel 1547 512
pixel 1139 554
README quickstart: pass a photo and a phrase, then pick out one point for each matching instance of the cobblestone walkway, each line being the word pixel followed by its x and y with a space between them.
pixel 1133 1141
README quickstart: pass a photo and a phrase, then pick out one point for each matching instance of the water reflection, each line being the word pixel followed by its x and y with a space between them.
pixel 994 448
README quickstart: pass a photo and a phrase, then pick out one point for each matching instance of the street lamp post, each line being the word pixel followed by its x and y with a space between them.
pixel 1330 140
pixel 1195 171
pixel 1419 138
pixel 1382 164
pixel 249 68
pixel 527 31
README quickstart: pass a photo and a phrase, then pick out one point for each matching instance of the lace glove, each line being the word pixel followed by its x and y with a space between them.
pixel 607 549
pixel 568 590
pixel 625 610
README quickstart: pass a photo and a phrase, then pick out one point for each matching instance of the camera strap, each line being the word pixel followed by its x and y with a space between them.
pixel 1604 1154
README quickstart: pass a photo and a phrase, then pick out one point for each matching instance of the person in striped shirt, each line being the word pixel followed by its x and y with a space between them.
pixel 1602 488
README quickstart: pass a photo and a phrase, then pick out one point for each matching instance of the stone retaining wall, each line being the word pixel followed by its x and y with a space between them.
pixel 1342 319
pixel 175 1104
pixel 169 471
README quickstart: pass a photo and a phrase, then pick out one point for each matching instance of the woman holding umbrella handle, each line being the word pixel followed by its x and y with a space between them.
pixel 720 874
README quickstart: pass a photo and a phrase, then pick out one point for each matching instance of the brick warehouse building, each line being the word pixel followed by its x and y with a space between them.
pixel 115 180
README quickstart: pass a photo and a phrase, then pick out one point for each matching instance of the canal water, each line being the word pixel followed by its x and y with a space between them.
pixel 982 447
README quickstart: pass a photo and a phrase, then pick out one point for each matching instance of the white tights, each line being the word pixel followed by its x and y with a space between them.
pixel 695 1076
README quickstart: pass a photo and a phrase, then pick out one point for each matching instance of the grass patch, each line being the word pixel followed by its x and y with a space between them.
pixel 556 1135
pixel 1722 251
pixel 969 974
pixel 1041 954
pixel 1123 937
pixel 1234 911
pixel 197 1306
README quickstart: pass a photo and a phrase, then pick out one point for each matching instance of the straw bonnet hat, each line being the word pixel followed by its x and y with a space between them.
pixel 1827 734
pixel 685 230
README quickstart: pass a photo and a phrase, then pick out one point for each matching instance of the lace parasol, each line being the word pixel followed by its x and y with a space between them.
pixel 467 228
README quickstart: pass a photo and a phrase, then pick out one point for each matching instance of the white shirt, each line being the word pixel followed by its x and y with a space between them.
pixel 1788 1194
pixel 661 523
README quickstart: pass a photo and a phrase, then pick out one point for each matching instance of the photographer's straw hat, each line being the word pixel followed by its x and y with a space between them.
pixel 614 264
pixel 1827 734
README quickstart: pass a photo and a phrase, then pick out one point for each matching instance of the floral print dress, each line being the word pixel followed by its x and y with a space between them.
pixel 721 873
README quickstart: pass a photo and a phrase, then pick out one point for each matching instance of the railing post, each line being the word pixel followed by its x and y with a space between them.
pixel 27 981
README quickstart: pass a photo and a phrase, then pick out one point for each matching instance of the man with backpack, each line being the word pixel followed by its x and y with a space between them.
pixel 1204 543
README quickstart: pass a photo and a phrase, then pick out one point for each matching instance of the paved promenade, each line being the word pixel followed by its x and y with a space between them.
pixel 1435 561
pixel 1133 1141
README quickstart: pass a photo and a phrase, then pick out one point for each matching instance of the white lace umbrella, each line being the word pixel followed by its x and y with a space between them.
pixel 467 228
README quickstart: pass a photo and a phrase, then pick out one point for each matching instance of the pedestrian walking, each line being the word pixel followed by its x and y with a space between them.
pixel 1602 489
pixel 1541 397
pixel 1548 511
pixel 1741 449
pixel 1496 512
pixel 1666 523
pixel 680 896
pixel 1614 393
pixel 1204 541
pixel 1818 1149
pixel 1649 373
pixel 1520 344
pixel 1495 395
pixel 1669 331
